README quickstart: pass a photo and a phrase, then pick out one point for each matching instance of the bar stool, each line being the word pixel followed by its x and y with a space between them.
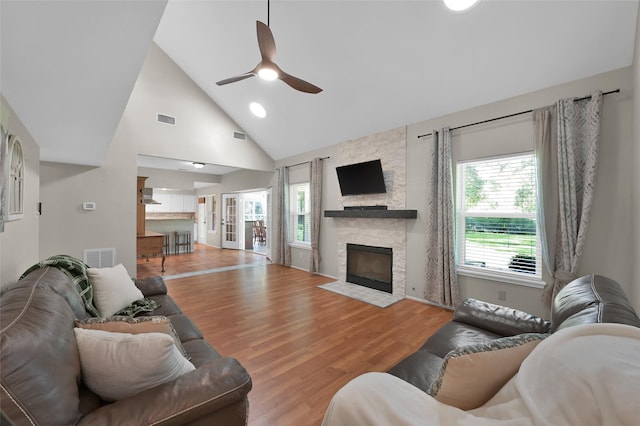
pixel 182 239
pixel 165 243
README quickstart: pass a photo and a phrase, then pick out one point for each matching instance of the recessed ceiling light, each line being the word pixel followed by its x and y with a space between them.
pixel 460 5
pixel 257 110
pixel 198 165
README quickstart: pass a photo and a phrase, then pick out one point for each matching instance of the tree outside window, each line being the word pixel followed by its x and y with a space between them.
pixel 253 210
pixel 300 213
pixel 497 216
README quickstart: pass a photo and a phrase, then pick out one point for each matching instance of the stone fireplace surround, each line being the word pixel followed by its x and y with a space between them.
pixel 390 148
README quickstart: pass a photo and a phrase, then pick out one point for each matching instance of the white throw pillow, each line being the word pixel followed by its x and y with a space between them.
pixel 124 324
pixel 113 289
pixel 118 365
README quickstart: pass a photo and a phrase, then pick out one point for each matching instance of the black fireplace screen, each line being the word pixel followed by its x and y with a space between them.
pixel 370 266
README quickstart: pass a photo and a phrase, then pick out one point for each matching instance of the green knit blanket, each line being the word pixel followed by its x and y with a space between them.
pixel 77 272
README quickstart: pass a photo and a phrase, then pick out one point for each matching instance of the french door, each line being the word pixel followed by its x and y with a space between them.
pixel 230 220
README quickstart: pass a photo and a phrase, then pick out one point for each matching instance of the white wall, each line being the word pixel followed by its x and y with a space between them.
pixel 66 229
pixel 19 241
pixel 635 185
pixel 609 242
pixel 203 132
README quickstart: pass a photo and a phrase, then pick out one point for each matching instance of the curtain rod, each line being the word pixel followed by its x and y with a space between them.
pixel 514 114
pixel 306 162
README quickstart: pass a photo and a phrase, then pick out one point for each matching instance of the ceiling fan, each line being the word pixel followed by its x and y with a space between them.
pixel 267 68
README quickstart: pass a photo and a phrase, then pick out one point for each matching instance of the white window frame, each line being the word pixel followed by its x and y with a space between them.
pixel 15 186
pixel 513 277
pixel 293 216
pixel 253 216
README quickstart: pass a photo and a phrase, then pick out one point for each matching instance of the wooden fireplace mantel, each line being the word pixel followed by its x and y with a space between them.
pixel 373 214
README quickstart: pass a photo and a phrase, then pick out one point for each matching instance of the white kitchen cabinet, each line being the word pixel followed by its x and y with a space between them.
pixel 163 199
pixel 172 203
pixel 189 204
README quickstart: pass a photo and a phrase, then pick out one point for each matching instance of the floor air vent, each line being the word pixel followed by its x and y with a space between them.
pixel 99 258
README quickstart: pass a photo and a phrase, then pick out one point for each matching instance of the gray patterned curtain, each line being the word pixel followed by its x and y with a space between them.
pixel 282 251
pixel 545 147
pixel 578 132
pixel 315 180
pixel 441 279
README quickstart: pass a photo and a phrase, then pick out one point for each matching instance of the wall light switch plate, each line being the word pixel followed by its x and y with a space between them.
pixel 88 205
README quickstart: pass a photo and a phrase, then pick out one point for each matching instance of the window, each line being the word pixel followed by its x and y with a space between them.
pixel 253 210
pixel 300 213
pixel 497 232
pixel 16 179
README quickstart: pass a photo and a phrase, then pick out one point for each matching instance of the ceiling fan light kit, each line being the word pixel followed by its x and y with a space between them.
pixel 267 68
pixel 268 74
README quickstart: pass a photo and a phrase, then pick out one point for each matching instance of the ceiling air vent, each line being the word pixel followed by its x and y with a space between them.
pixel 239 136
pixel 167 119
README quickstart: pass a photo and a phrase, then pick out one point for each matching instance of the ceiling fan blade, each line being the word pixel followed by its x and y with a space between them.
pixel 236 78
pixel 297 83
pixel 266 43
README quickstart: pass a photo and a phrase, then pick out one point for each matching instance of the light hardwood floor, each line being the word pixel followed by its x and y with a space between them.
pixel 299 343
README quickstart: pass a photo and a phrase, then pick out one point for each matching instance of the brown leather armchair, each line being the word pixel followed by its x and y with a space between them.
pixel 586 300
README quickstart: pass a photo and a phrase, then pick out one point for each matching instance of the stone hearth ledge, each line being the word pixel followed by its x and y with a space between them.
pixel 378 298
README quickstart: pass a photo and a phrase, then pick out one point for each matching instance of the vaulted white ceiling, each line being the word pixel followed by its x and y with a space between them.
pixel 69 67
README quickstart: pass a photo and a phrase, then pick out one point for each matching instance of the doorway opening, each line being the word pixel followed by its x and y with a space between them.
pixel 255 207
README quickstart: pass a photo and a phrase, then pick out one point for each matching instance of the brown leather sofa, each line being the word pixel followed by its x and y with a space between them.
pixel 41 375
pixel 589 299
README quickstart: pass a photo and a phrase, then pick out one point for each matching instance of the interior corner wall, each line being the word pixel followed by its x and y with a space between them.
pixel 19 242
pixel 609 243
pixel 636 160
pixel 65 228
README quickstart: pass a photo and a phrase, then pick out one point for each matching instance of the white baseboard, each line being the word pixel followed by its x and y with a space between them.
pixel 325 275
pixel 428 302
pixel 315 273
pixel 298 268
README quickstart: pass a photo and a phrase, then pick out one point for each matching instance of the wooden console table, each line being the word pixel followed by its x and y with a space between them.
pixel 150 244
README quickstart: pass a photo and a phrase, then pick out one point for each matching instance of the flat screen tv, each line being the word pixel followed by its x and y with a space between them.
pixel 361 178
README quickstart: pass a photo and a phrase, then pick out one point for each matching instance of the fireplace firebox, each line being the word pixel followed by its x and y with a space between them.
pixel 370 266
